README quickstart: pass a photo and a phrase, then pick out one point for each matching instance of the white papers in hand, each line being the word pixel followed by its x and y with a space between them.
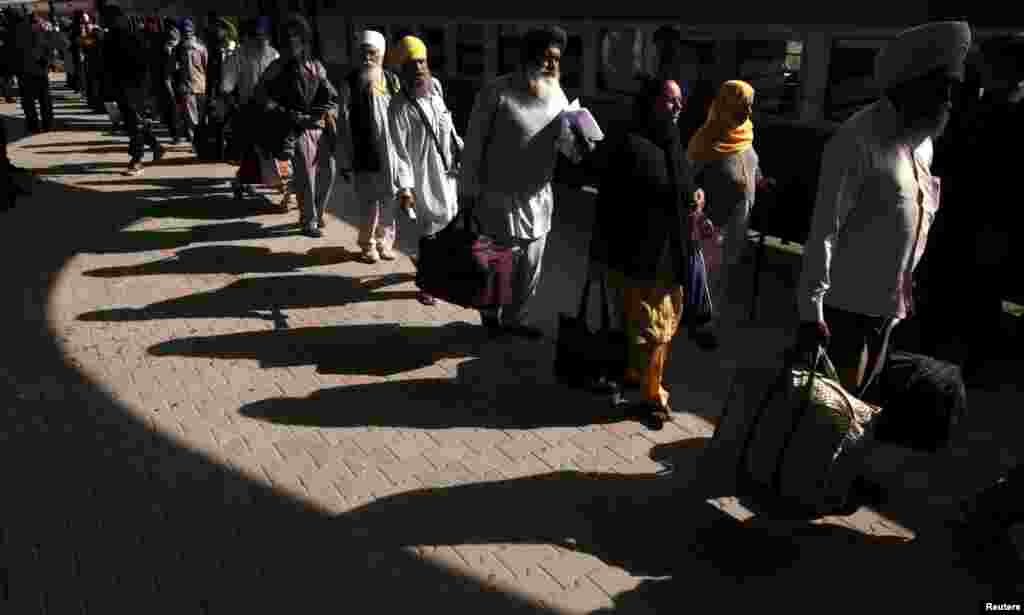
pixel 584 121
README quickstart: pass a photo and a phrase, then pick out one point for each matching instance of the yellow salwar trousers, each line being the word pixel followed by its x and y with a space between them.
pixel 651 312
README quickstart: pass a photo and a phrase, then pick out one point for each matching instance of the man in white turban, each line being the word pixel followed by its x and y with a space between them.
pixel 876 201
pixel 365 149
pixel 425 145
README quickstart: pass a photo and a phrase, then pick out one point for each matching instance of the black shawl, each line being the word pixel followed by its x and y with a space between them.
pixel 645 198
pixel 366 156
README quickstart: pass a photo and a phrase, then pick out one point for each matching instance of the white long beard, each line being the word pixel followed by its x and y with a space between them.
pixel 371 75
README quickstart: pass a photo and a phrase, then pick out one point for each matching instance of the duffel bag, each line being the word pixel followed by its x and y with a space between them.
pixel 925 401
pixel 794 444
pixel 460 265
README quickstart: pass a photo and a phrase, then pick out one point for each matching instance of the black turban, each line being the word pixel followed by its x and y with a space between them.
pixel 537 41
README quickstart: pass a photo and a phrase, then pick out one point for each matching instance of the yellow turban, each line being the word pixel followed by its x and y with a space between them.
pixel 721 135
pixel 409 48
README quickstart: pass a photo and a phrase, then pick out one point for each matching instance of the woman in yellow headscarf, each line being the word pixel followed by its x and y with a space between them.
pixel 725 164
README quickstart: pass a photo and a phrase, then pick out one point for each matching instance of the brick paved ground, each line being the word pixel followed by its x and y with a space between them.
pixel 206 412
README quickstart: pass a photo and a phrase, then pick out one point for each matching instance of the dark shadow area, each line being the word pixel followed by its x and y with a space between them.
pixel 237 260
pixel 90 168
pixel 145 241
pixel 249 296
pixel 104 142
pixel 440 403
pixel 665 528
pixel 380 349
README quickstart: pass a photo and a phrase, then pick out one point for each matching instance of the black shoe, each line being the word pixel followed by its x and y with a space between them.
pixel 704 338
pixel 650 414
pixel 526 331
pixel 158 154
pixel 491 325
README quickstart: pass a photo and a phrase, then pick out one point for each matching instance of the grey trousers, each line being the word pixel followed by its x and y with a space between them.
pixel 525 279
pixel 315 171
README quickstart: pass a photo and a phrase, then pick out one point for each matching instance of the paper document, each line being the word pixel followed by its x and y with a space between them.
pixel 584 121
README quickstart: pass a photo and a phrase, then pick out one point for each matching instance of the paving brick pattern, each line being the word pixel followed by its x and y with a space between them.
pixel 222 414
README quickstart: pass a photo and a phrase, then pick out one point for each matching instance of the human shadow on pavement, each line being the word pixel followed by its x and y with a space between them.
pixel 232 259
pixel 382 349
pixel 147 241
pixel 34 146
pixel 500 384
pixel 248 297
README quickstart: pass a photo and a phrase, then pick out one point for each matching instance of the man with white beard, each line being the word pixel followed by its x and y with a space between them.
pixel 876 201
pixel 512 142
pixel 365 150
pixel 425 143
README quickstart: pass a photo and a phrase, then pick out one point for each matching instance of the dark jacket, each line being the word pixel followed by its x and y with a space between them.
pixel 296 93
pixel 646 194
pixel 127 64
pixel 366 158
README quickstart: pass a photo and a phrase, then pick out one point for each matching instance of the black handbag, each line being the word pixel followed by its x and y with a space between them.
pixel 462 266
pixel 588 359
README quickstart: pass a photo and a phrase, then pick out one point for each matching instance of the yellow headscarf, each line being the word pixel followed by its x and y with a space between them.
pixel 720 136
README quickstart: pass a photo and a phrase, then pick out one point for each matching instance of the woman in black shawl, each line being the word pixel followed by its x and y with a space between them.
pixel 640 233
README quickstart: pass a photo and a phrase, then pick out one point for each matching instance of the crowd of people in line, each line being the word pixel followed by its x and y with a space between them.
pixel 386 128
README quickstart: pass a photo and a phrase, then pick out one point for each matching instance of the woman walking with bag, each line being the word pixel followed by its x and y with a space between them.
pixel 641 226
pixel 725 164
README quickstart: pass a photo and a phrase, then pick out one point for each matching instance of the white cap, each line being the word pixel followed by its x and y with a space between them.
pixel 373 39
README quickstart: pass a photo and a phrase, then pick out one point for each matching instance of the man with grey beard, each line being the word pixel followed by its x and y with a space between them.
pixel 512 142
pixel 876 201
pixel 425 146
pixel 365 150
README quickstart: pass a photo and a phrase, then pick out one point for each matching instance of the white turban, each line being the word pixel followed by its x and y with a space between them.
pixel 373 39
pixel 921 50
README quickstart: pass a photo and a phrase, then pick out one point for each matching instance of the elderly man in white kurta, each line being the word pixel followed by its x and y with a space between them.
pixel 511 146
pixel 424 142
pixel 365 150
pixel 876 201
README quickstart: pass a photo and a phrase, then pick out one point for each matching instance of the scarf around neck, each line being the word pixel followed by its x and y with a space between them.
pixel 720 136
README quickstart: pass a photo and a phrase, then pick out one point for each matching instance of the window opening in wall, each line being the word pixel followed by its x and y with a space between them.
pixel 470 50
pixel 434 38
pixel 851 81
pixel 572 63
pixel 621 56
pixel 772 68
pixel 509 48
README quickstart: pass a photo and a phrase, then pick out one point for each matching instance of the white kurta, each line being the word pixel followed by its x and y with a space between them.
pixel 509 162
pixel 369 186
pixel 875 204
pixel 418 164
